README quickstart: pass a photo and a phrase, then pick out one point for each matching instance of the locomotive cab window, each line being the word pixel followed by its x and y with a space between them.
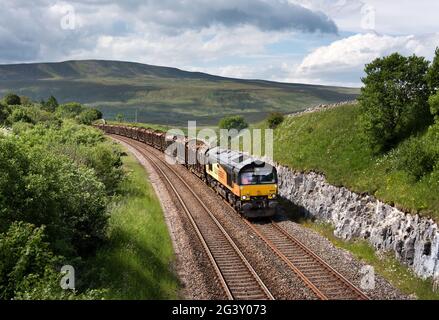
pixel 262 177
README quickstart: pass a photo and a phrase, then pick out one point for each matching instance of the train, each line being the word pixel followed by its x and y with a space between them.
pixel 248 184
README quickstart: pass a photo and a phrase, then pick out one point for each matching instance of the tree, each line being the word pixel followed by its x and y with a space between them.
pixel 119 117
pixel 433 101
pixel 51 104
pixel 393 101
pixel 275 119
pixel 12 99
pixel 433 74
pixel 233 122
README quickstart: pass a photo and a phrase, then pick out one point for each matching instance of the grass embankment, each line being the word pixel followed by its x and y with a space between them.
pixel 136 263
pixel 330 142
pixel 397 274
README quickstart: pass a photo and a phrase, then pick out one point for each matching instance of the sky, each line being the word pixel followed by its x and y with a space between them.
pixel 308 41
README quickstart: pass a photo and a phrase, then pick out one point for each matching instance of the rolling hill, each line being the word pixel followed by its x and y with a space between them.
pixel 161 94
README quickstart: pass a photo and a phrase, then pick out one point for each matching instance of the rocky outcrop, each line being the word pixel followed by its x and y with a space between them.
pixel 414 240
pixel 322 107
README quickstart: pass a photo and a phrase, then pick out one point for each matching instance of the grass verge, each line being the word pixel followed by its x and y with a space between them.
pixel 331 142
pixel 136 262
pixel 386 265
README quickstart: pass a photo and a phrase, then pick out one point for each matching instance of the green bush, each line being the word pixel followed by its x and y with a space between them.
pixel 275 119
pixel 24 258
pixel 415 157
pixel 12 99
pixel 88 116
pixel 19 114
pixel 50 105
pixel 233 122
pixel 44 188
pixel 4 113
pixel 433 101
pixel 69 110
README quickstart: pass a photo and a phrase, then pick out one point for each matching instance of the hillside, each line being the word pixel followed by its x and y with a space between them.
pixel 160 94
pixel 330 142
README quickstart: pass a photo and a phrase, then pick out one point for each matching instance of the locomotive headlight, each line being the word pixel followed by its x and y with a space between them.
pixel 272 196
pixel 244 197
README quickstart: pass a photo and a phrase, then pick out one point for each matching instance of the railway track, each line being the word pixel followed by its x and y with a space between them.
pixel 321 278
pixel 235 274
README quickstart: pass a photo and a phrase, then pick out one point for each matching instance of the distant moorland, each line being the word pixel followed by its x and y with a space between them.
pixel 160 94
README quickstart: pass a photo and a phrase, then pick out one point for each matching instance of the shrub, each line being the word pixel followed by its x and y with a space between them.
pixel 233 122
pixel 12 99
pixel 415 158
pixel 4 113
pixel 24 258
pixel 275 119
pixel 44 188
pixel 51 104
pixel 19 114
pixel 69 110
pixel 88 116
pixel 433 101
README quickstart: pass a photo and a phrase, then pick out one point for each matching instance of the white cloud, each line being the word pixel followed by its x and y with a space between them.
pixel 343 61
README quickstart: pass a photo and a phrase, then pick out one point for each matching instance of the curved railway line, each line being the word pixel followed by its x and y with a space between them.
pixel 237 277
pixel 320 277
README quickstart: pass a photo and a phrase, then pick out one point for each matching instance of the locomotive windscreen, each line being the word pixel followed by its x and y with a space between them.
pixel 258 177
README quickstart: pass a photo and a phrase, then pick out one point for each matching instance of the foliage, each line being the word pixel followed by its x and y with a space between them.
pixel 19 115
pixel 119 117
pixel 433 101
pixel 233 122
pixel 275 119
pixel 25 258
pixel 32 114
pixel 433 73
pixel 88 116
pixel 414 157
pixel 4 112
pixel 394 100
pixel 44 188
pixel 69 110
pixel 12 99
pixel 51 104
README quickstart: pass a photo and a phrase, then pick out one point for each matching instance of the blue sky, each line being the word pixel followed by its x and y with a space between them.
pixel 308 41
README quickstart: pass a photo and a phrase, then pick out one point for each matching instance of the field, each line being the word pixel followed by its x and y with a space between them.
pixel 136 262
pixel 162 95
pixel 330 142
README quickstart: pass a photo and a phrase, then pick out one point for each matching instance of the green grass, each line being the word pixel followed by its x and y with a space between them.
pixel 136 263
pixel 386 265
pixel 330 142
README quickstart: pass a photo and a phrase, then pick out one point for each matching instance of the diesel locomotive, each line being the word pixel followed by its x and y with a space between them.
pixel 248 184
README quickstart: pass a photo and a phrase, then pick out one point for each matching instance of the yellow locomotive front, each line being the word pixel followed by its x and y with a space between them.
pixel 248 184
pixel 258 189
